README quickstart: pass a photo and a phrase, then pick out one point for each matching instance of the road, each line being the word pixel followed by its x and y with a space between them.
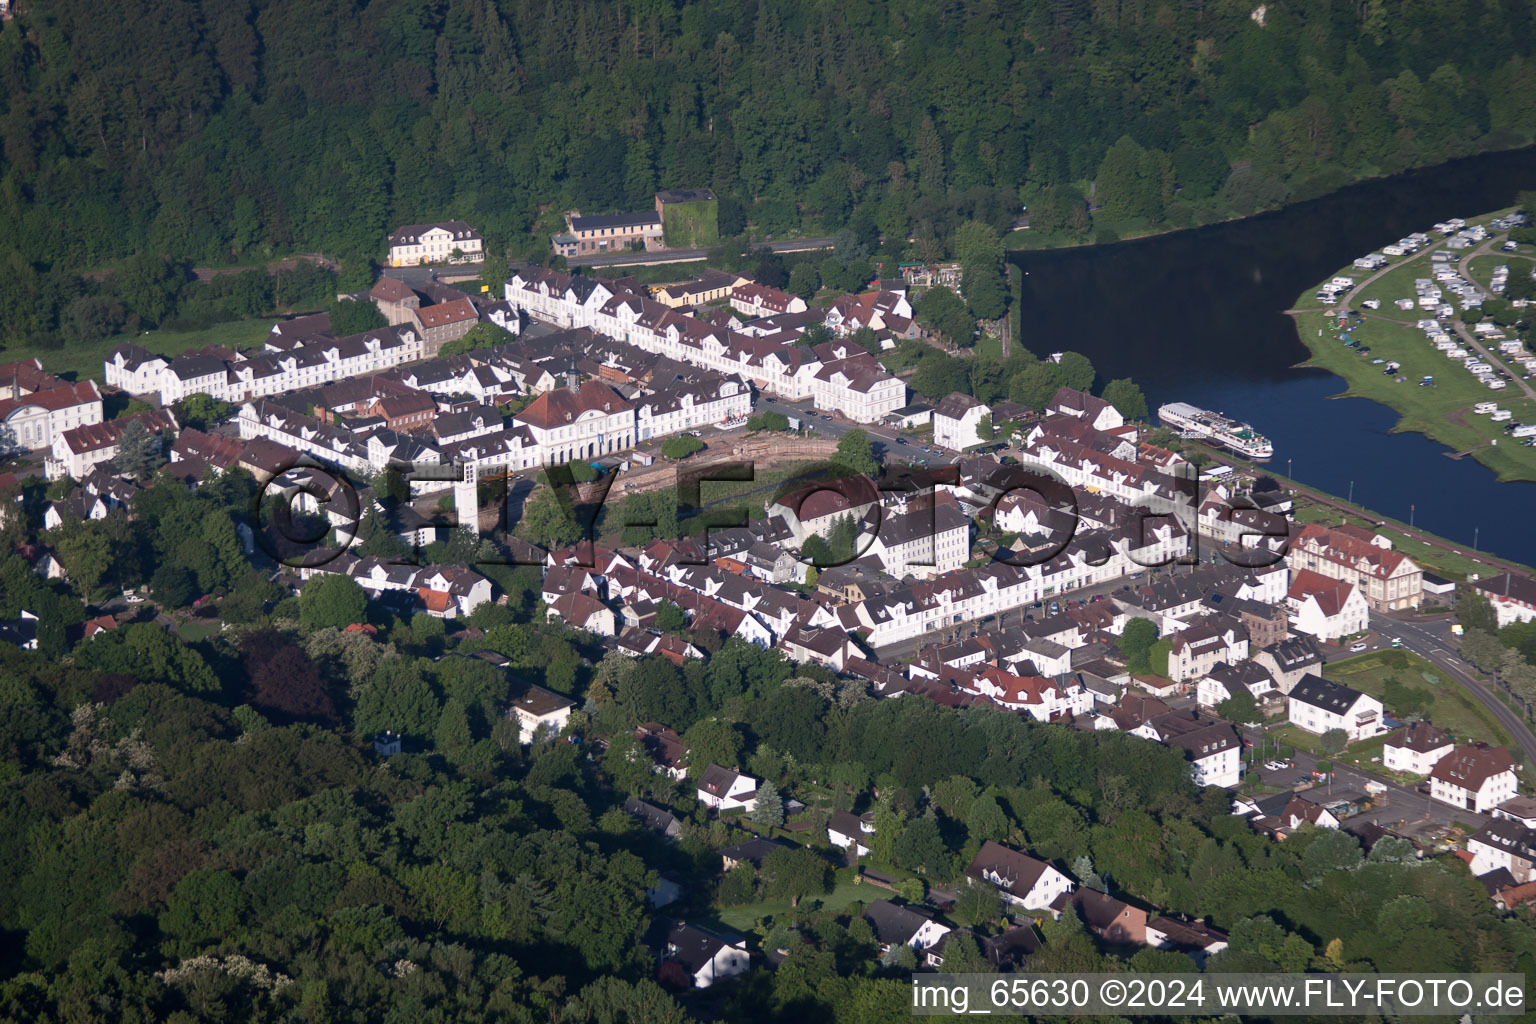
pixel 645 259
pixel 887 441
pixel 1404 805
pixel 1432 642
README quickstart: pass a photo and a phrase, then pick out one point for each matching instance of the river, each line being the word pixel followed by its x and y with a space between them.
pixel 1197 316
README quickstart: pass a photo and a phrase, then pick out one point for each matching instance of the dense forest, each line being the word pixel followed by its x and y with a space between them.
pixel 235 130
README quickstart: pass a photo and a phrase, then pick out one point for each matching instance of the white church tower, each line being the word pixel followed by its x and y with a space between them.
pixel 466 496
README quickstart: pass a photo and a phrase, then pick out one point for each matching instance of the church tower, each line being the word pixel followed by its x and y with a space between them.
pixel 466 496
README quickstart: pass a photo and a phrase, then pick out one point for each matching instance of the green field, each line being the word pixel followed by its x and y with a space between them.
pixel 1443 412
pixel 1480 268
pixel 78 361
pixel 1450 707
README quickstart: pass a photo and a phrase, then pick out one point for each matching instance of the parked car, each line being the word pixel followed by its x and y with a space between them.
pixel 1358 646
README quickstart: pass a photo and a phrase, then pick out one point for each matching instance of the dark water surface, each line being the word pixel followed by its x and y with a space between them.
pixel 1196 316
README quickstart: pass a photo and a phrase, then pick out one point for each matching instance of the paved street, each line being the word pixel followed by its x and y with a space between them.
pixel 887 441
pixel 641 259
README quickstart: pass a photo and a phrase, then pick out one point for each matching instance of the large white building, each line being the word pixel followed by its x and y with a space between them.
pixel 957 420
pixel 33 421
pixel 449 241
pixel 1474 776
pixel 1318 706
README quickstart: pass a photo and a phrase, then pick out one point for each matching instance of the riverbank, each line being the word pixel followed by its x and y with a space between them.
pixel 1370 338
pixel 1454 560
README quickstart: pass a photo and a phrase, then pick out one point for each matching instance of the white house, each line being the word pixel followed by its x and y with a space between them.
pixel 725 789
pixel 1416 748
pixel 705 957
pixel 845 830
pixel 1210 745
pixel 1326 608
pixel 956 422
pixel 1513 597
pixel 1319 705
pixel 1504 843
pixel 1096 412
pixel 449 241
pixel 1474 776
pixel 898 926
pixel 1020 879
pixel 540 712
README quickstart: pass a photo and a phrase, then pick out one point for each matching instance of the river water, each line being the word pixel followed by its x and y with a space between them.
pixel 1196 316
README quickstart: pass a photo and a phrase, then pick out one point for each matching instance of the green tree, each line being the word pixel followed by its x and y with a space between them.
pixel 681 446
pixel 354 316
pixel 546 522
pixel 1075 371
pixel 1334 741
pixel 1126 397
pixel 202 411
pixel 1240 708
pixel 768 811
pixel 795 873
pixel 331 601
pixel 1034 386
pixel 138 452
pixel 856 453
pixel 803 280
pixel 1136 642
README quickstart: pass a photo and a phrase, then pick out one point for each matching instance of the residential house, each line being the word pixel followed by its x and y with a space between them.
pixel 1318 706
pixel 1200 648
pixel 1194 938
pixel 33 421
pixel 898 926
pixel 1507 844
pixel 614 232
pixel 660 821
pixel 539 712
pixel 1021 880
pixel 1223 681
pixel 76 452
pixel 846 830
pixel 1291 661
pixel 754 851
pixel 1325 607
pixel 1513 597
pixel 1474 776
pixel 1095 412
pixel 1114 921
pixel 957 421
pixel 725 789
pixel 1416 748
pixel 699 957
pixel 1211 745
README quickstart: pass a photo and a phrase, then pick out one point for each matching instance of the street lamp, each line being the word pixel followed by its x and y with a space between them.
pixel 1288 468
pixel 1351 492
pixel 1474 537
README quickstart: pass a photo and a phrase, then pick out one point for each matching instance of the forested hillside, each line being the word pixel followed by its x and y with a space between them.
pixel 229 130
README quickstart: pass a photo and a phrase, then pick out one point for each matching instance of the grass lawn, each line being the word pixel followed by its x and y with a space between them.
pixel 76 362
pixel 1442 412
pixel 1481 267
pixel 742 918
pixel 1450 707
